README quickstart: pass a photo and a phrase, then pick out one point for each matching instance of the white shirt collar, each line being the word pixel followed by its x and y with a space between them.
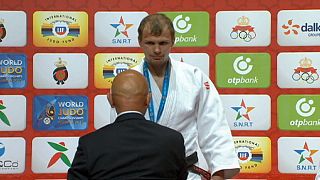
pixel 126 112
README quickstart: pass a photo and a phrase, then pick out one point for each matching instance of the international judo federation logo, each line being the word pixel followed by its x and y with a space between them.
pixel 61 148
pixel 181 24
pixel 304 108
pixel 243 30
pixel 60 29
pixel 246 154
pixel 290 28
pixel 121 28
pixel 60 74
pixel 305 71
pixel 3 116
pixel 3 31
pixel 243 110
pixel 242 66
pixel 109 71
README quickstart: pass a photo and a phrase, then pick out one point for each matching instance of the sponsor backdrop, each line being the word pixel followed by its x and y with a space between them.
pixel 58 59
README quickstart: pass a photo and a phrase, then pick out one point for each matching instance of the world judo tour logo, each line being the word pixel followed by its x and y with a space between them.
pixel 306 160
pixel 59 155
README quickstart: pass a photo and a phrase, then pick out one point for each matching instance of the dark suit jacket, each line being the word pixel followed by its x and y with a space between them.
pixel 130 148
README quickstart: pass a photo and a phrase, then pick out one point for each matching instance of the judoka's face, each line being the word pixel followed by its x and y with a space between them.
pixel 156 48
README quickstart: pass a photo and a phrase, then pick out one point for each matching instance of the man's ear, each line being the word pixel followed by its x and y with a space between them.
pixel 109 96
pixel 148 99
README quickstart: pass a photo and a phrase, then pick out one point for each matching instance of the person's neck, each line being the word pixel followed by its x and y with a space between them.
pixel 158 70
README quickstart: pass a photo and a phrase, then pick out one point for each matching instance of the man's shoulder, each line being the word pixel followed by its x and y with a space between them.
pixel 97 133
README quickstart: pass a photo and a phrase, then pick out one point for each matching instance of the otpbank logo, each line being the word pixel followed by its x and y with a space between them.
pixel 298 28
pixel 254 154
pixel 12 155
pixel 12 112
pixel 117 29
pixel 299 112
pixel 108 65
pixel 60 70
pixel 53 154
pixel 243 70
pixel 13 28
pixel 60 29
pixel 298 70
pixel 243 28
pixel 298 155
pixel 60 112
pixel 247 112
pixel 13 70
pixel 192 28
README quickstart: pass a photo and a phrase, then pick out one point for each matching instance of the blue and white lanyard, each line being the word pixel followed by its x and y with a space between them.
pixel 165 87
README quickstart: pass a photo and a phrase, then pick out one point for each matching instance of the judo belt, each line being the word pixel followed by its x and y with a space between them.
pixel 191 160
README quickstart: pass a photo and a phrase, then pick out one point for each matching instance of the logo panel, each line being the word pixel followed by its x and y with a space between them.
pixel 299 155
pixel 254 154
pixel 192 28
pixel 298 70
pixel 12 112
pixel 12 155
pixel 299 112
pixel 248 112
pixel 243 70
pixel 53 154
pixel 60 71
pixel 108 65
pixel 60 112
pixel 102 111
pixel 60 29
pixel 117 29
pixel 13 28
pixel 243 28
pixel 200 60
pixel 298 28
pixel 13 70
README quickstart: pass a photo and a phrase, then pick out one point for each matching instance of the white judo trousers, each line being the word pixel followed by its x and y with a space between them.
pixel 193 107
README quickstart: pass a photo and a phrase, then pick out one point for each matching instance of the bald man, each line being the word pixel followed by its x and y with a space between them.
pixel 131 147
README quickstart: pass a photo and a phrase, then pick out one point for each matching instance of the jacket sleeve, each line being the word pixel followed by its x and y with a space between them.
pixel 214 135
pixel 78 169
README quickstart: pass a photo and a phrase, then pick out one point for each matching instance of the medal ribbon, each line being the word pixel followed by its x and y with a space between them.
pixel 165 88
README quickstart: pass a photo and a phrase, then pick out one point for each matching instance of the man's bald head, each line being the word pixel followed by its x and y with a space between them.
pixel 129 92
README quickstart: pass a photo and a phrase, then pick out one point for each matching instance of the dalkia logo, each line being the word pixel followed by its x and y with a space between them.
pixel 121 29
pixel 312 29
pixel 60 147
pixel 243 113
pixel 3 31
pixel 305 71
pixel 3 116
pixel 60 74
pixel 306 161
pixel 243 30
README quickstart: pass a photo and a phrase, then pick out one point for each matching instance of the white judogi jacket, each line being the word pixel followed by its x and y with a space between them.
pixel 193 107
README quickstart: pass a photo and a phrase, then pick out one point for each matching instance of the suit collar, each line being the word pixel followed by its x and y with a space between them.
pixel 129 115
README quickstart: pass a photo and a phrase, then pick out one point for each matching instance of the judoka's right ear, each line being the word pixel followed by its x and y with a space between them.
pixel 109 97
